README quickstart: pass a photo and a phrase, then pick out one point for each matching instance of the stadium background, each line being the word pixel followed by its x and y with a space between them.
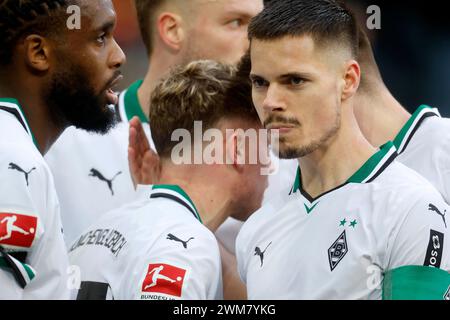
pixel 412 49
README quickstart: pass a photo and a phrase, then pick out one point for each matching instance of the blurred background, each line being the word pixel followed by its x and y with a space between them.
pixel 412 49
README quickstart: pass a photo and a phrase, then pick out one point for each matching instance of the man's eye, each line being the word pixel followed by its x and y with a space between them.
pixel 236 23
pixel 258 83
pixel 102 38
pixel 296 81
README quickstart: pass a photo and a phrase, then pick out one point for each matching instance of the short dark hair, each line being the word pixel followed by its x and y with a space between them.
pixel 204 91
pixel 21 18
pixel 324 20
pixel 145 10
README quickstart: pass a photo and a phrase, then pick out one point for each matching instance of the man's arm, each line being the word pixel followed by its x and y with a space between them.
pixel 36 209
pixel 419 259
pixel 195 271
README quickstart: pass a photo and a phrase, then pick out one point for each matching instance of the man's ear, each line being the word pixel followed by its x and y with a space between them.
pixel 171 30
pixel 235 150
pixel 37 50
pixel 352 78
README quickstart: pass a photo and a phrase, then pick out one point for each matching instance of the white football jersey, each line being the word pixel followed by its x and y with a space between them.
pixel 339 244
pixel 279 182
pixel 423 144
pixel 153 249
pixel 91 171
pixel 33 257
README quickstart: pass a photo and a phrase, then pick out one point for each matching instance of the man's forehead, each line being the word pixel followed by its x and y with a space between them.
pixel 90 7
pixel 250 7
pixel 288 54
pixel 99 12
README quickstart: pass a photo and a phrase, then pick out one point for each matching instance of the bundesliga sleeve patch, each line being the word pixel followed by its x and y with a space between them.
pixel 163 282
pixel 17 231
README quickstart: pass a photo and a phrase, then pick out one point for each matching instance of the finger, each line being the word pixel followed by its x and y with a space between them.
pixel 132 166
pixel 142 137
pixel 132 140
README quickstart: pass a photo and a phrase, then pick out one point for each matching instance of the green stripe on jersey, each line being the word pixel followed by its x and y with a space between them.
pixel 416 283
pixel 14 101
pixel 181 192
pixel 371 165
pixel 26 273
pixel 132 105
pixel 404 132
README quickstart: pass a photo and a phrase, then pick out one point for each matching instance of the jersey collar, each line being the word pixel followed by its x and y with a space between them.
pixel 12 106
pixel 366 174
pixel 129 105
pixel 405 135
pixel 177 194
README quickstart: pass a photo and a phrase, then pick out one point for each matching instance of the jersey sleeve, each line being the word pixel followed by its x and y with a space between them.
pixel 423 237
pixel 242 254
pixel 184 263
pixel 443 168
pixel 30 227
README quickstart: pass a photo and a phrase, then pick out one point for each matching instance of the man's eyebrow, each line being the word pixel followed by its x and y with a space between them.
pixel 255 76
pixel 107 26
pixel 303 75
pixel 239 13
pixel 283 77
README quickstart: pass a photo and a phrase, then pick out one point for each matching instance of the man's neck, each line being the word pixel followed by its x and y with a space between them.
pixel 37 115
pixel 212 201
pixel 333 164
pixel 380 117
pixel 159 65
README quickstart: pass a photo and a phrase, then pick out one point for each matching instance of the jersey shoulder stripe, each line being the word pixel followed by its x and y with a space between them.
pixel 373 167
pixel 129 105
pixel 405 135
pixel 13 107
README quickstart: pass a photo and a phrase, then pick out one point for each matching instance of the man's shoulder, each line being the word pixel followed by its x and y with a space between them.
pixel 431 137
pixel 402 178
pixel 77 138
pixel 265 215
pixel 145 220
pixel 168 216
pixel 19 159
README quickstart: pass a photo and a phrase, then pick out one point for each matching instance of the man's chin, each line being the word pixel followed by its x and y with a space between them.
pixel 290 153
pixel 100 123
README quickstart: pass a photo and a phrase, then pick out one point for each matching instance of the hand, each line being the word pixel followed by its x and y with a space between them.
pixel 143 162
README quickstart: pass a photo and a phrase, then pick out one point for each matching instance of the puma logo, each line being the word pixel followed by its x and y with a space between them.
pixel 432 207
pixel 95 173
pixel 260 253
pixel 174 238
pixel 13 166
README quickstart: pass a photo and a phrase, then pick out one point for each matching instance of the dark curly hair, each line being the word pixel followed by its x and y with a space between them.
pixel 19 18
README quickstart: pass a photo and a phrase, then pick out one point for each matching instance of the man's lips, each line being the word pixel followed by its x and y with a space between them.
pixel 281 127
pixel 110 94
pixel 115 82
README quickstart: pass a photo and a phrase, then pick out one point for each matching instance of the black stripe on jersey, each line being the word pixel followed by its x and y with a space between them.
pixel 383 167
pixel 15 271
pixel 90 290
pixel 171 197
pixel 424 116
pixel 15 113
pixel 311 199
pixel 20 255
